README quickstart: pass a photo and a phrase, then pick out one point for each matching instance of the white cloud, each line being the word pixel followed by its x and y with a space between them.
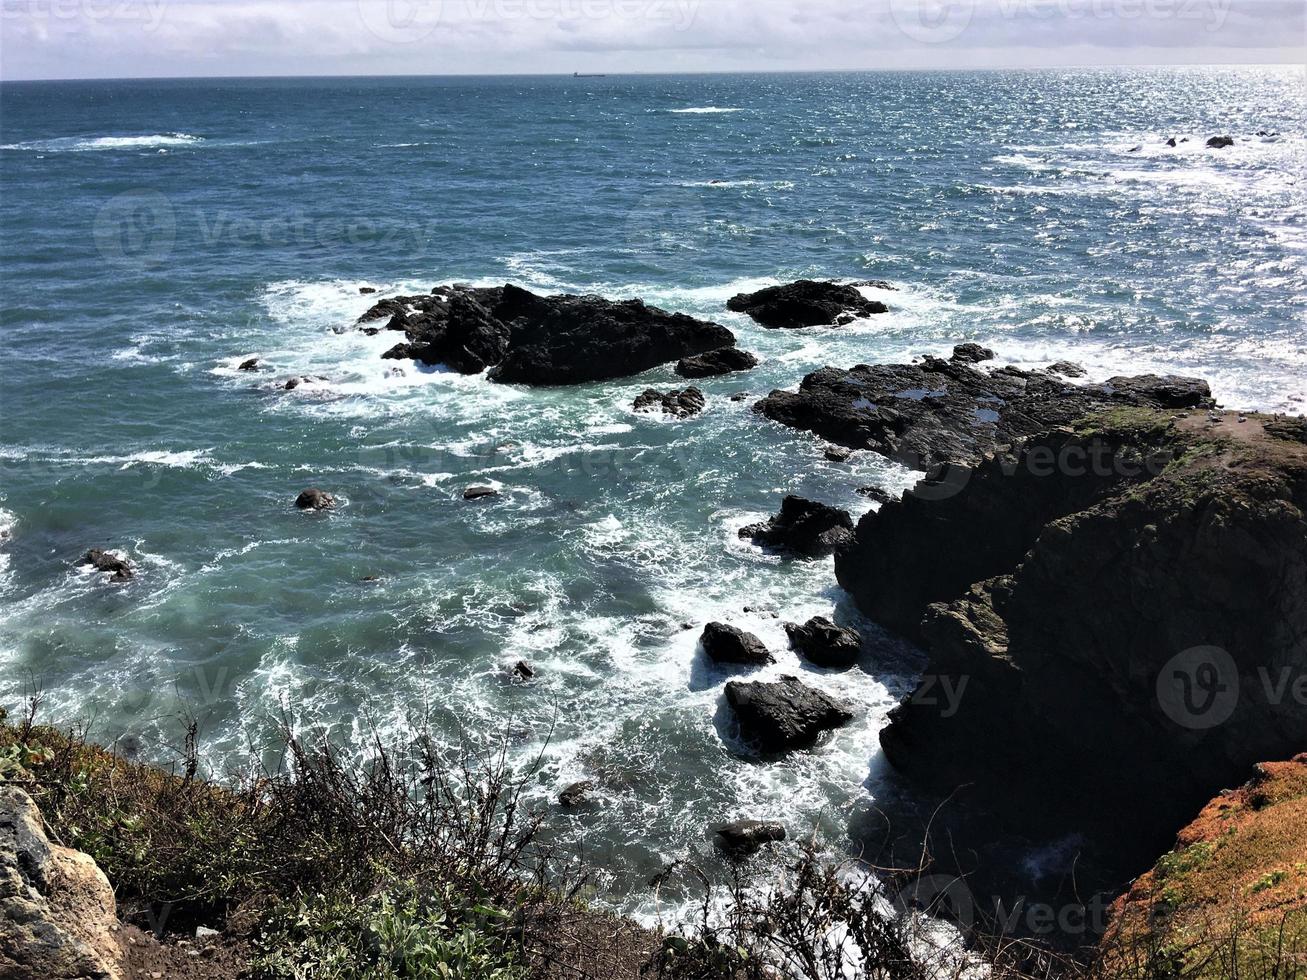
pixel 99 38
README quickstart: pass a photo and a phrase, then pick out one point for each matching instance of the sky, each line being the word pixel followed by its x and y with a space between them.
pixel 166 38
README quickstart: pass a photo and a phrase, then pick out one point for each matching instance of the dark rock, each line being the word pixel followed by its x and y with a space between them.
pixel 804 527
pixel 785 715
pixel 315 499
pixel 542 340
pixel 1108 619
pixel 111 564
pixel 740 396
pixel 576 794
pixel 825 644
pixel 804 304
pixel 1171 141
pixel 1220 142
pixel 838 454
pixel 523 670
pixel 1067 369
pixel 366 290
pixel 878 494
pixel 251 365
pixel 972 353
pixel 479 493
pixel 746 837
pixel 728 645
pixel 724 360
pixel 1134 149
pixel 948 411
pixel 682 404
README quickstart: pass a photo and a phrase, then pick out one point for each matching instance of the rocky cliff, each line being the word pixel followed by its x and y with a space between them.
pixel 1118 611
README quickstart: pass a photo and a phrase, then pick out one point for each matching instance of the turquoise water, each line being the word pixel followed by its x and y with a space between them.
pixel 155 234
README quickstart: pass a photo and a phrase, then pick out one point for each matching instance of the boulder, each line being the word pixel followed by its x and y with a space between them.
pixel 109 563
pixel 825 644
pixel 724 360
pixel 681 404
pixel 57 909
pixel 745 837
pixel 315 499
pixel 523 338
pixel 523 670
pixel 1220 142
pixel 784 715
pixel 251 365
pixel 728 645
pixel 805 303
pixel 366 290
pixel 838 454
pixel 803 527
pixel 972 353
pixel 480 493
pixel 576 794
pixel 948 411
pixel 1171 142
pixel 1067 369
pixel 878 494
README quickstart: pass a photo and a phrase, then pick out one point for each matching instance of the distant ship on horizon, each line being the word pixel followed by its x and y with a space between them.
pixel 577 74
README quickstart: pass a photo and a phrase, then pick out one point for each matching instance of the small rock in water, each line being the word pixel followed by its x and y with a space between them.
pixel 479 493
pixel 805 304
pixel 523 670
pixel 1067 369
pixel 366 290
pixel 1171 141
pixel 1134 149
pixel 681 404
pixel 315 499
pixel 576 794
pixel 251 365
pixel 740 396
pixel 825 644
pixel 804 527
pixel 724 360
pixel 838 454
pixel 1220 142
pixel 877 494
pixel 972 353
pixel 728 645
pixel 786 715
pixel 110 563
pixel 748 836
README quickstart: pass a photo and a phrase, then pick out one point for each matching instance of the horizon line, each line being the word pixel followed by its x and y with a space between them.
pixel 655 74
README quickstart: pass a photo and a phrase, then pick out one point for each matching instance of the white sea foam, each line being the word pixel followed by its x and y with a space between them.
pixel 80 144
pixel 703 111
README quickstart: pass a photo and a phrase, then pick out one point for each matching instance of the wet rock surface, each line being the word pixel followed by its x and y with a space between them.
pixel 523 338
pixel 823 643
pixel 785 715
pixel 949 411
pixel 805 303
pixel 803 527
pixel 724 360
pixel 726 644
pixel 315 499
pixel 746 837
pixel 679 404
pixel 109 563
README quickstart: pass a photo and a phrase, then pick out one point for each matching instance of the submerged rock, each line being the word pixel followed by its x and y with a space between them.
pixel 785 715
pixel 111 564
pixel 251 365
pixel 948 411
pixel 480 493
pixel 825 644
pixel 523 338
pixel 576 794
pixel 681 404
pixel 724 360
pixel 728 645
pixel 315 499
pixel 803 527
pixel 746 837
pixel 805 303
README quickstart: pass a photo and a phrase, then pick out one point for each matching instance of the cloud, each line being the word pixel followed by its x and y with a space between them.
pixel 106 38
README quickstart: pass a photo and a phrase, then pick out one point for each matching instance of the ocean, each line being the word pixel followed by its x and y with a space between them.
pixel 158 233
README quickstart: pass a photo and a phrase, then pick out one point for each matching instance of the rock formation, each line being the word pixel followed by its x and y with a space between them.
pixel 728 645
pixel 785 715
pixel 805 304
pixel 803 527
pixel 724 360
pixel 825 644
